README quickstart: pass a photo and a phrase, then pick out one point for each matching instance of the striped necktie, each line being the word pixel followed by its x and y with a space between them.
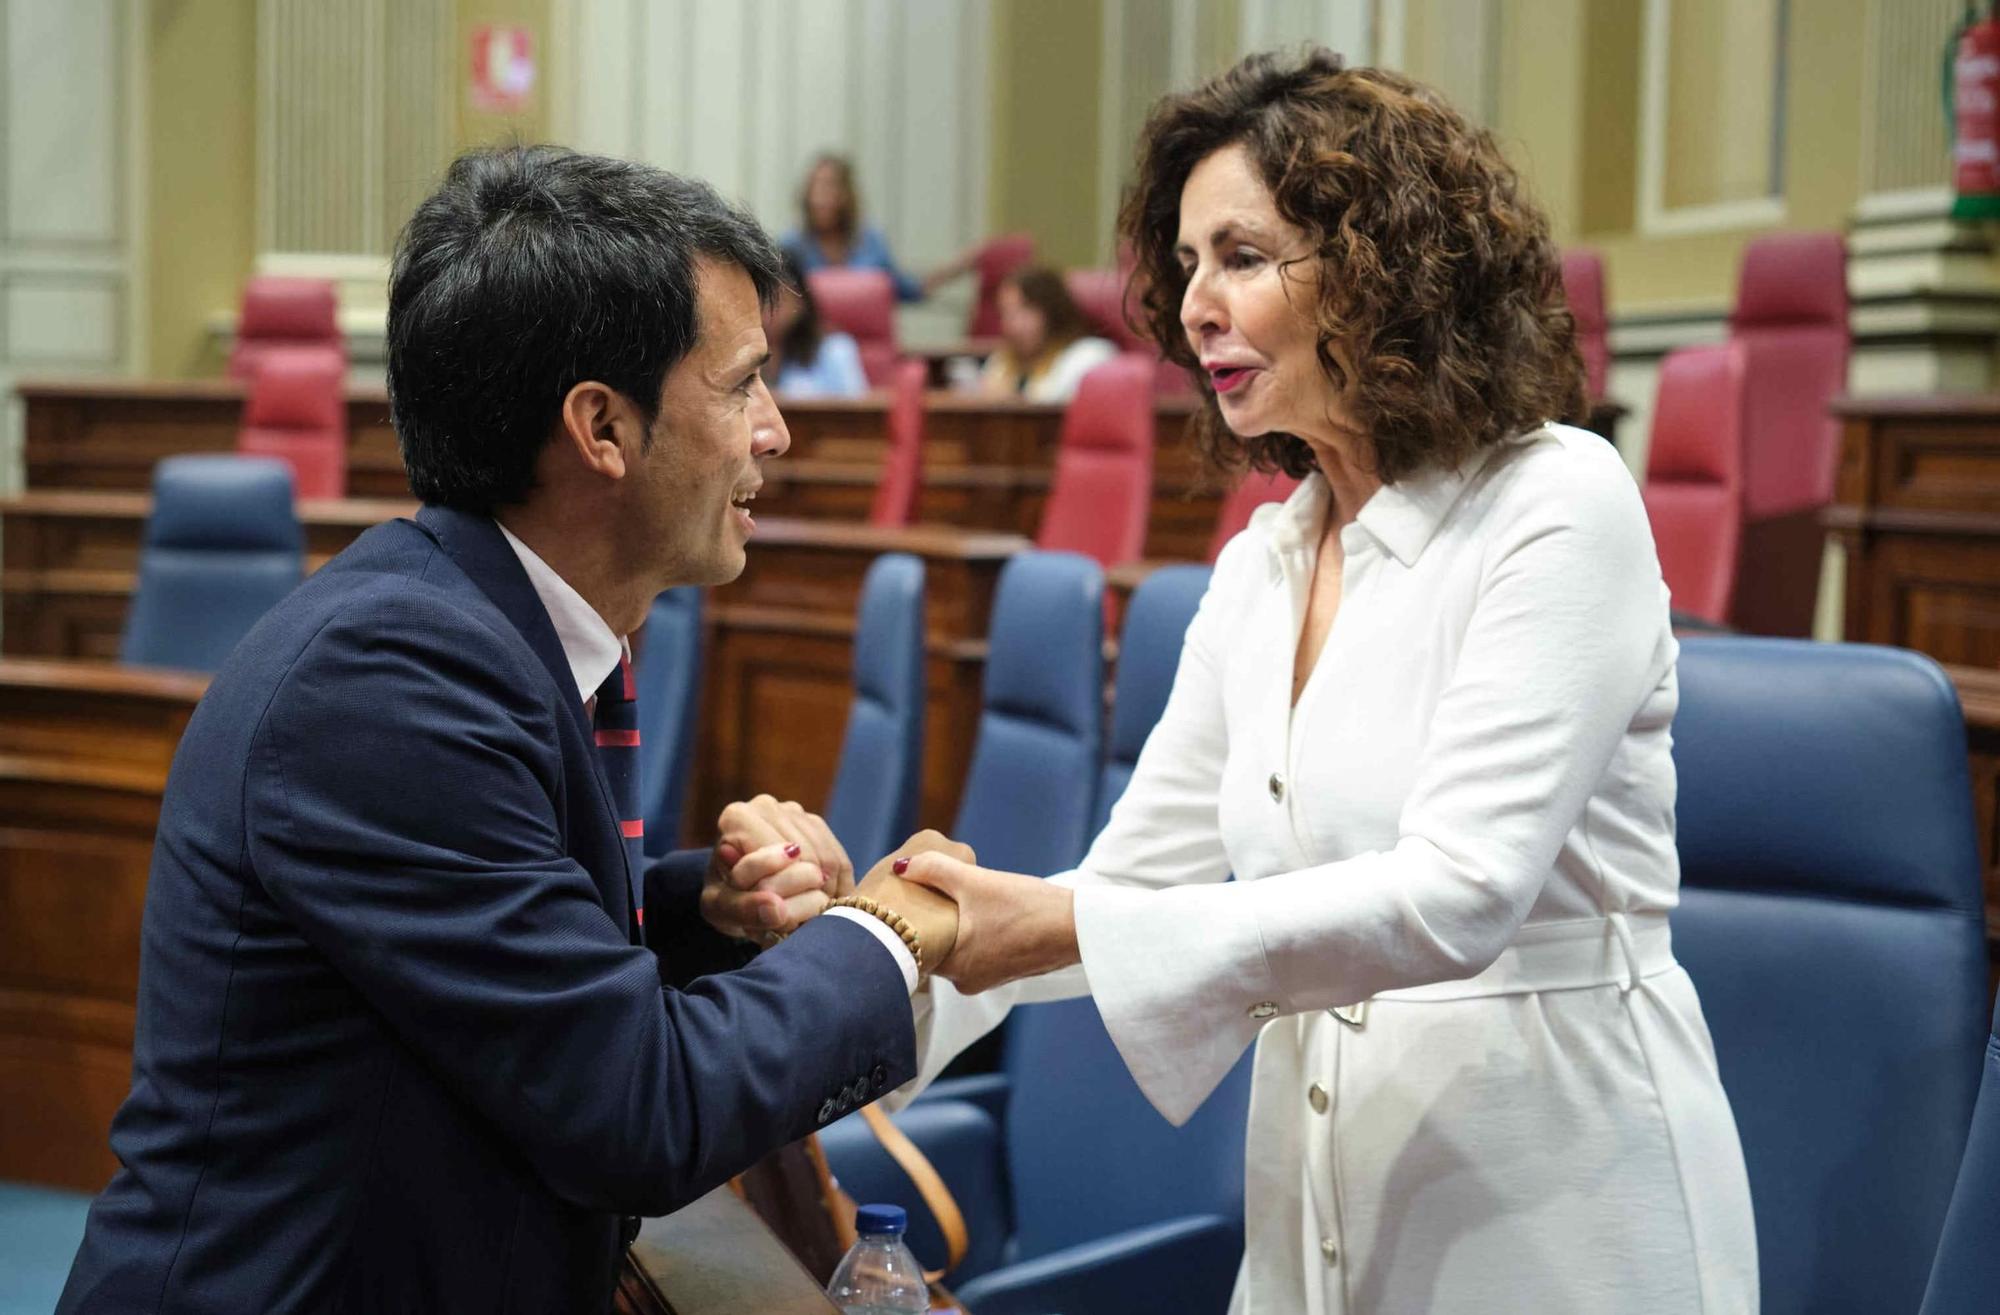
pixel 616 723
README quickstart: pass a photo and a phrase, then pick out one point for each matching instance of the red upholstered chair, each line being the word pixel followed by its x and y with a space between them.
pixel 1254 490
pixel 1102 493
pixel 996 260
pixel 1791 315
pixel 1583 285
pixel 297 412
pixel 284 312
pixel 902 470
pixel 861 303
pixel 1694 477
pixel 1100 294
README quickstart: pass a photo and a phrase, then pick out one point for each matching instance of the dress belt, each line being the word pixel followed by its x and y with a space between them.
pixel 1618 949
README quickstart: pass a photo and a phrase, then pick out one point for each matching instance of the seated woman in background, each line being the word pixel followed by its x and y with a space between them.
pixel 831 235
pixel 1047 346
pixel 807 358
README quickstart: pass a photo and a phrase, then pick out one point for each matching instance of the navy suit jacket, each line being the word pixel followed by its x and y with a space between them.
pixel 397 1048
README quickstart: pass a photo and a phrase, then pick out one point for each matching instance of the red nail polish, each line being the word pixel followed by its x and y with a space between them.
pixel 902 865
pixel 791 851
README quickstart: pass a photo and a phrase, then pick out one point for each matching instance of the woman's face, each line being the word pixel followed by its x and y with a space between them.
pixel 1247 314
pixel 826 197
pixel 1022 323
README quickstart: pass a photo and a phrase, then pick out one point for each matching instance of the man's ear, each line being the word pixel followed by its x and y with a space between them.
pixel 601 427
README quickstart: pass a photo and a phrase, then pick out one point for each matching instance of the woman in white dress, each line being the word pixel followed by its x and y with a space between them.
pixel 1423 717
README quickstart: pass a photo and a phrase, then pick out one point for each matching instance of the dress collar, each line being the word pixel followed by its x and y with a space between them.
pixel 587 642
pixel 1403 517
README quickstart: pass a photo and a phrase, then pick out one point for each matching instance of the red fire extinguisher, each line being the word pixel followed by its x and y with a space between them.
pixel 1972 105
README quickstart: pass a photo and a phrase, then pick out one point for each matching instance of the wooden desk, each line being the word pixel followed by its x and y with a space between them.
pixel 109 433
pixel 780 656
pixel 1979 694
pixel 987 461
pixel 1918 511
pixel 68 560
pixel 780 639
pixel 84 752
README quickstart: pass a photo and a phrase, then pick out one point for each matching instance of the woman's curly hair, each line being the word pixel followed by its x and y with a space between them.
pixel 1438 280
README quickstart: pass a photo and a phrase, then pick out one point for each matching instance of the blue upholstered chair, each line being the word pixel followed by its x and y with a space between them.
pixel 873 806
pixel 1832 920
pixel 668 680
pixel 222 546
pixel 1080 1198
pixel 40 1230
pixel 1965 1277
pixel 1028 793
pixel 1149 653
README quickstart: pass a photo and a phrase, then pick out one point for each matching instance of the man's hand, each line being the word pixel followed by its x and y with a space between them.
pixel 774 865
pixel 1010 926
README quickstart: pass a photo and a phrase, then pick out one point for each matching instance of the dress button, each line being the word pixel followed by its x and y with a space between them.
pixel 1329 1251
pixel 1316 1095
pixel 1277 788
pixel 1264 1009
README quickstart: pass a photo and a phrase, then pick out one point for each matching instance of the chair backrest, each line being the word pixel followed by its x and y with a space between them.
pixel 284 312
pixel 1966 1272
pixel 1251 492
pixel 1102 492
pixel 1000 257
pixel 1833 922
pixel 1088 1157
pixel 1028 791
pixel 222 547
pixel 895 501
pixel 1694 483
pixel 296 411
pixel 1791 311
pixel 667 680
pixel 1583 286
pixel 1149 653
pixel 861 303
pixel 1101 294
pixel 873 806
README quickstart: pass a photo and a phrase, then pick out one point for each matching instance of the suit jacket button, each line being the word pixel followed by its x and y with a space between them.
pixel 879 1078
pixel 827 1110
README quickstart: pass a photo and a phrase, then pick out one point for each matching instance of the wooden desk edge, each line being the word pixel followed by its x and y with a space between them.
pixel 81 676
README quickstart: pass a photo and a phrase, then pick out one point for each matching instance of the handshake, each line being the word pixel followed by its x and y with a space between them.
pixel 775 865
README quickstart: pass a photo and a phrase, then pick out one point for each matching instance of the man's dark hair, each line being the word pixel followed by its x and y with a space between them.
pixel 529 270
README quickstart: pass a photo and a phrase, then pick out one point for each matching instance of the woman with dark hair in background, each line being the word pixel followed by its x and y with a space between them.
pixel 807 358
pixel 831 235
pixel 1423 717
pixel 1046 343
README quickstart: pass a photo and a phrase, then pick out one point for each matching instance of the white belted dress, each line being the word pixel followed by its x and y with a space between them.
pixel 1482 1082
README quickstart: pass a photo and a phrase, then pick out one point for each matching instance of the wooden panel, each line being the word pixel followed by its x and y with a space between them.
pixel 110 434
pixel 84 753
pixel 1979 694
pixel 987 462
pixel 1918 514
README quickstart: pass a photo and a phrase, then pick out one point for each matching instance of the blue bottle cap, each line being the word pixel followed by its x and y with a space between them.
pixel 881 1219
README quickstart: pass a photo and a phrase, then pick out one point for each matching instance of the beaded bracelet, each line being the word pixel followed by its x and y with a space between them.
pixel 896 921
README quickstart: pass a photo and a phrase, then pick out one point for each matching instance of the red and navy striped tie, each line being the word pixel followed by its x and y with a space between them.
pixel 616 723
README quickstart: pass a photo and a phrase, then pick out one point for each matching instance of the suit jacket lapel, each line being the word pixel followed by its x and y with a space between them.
pixel 476 544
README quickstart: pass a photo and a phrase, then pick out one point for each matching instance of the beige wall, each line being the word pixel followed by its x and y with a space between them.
pixel 1579 152
pixel 477 127
pixel 201 144
pixel 1046 56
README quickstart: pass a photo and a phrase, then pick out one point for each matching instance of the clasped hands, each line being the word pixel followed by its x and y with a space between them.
pixel 775 865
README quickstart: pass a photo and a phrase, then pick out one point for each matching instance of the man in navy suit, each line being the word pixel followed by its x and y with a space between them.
pixel 405 1040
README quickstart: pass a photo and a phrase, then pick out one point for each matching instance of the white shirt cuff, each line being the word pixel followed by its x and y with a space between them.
pixel 904 959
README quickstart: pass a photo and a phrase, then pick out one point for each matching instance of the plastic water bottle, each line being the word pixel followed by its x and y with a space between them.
pixel 879 1276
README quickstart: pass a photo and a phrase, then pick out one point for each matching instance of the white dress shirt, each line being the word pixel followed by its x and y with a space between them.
pixel 593 652
pixel 1482 1081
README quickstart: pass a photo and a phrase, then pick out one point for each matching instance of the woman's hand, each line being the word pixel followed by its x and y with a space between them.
pixel 774 865
pixel 1010 926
